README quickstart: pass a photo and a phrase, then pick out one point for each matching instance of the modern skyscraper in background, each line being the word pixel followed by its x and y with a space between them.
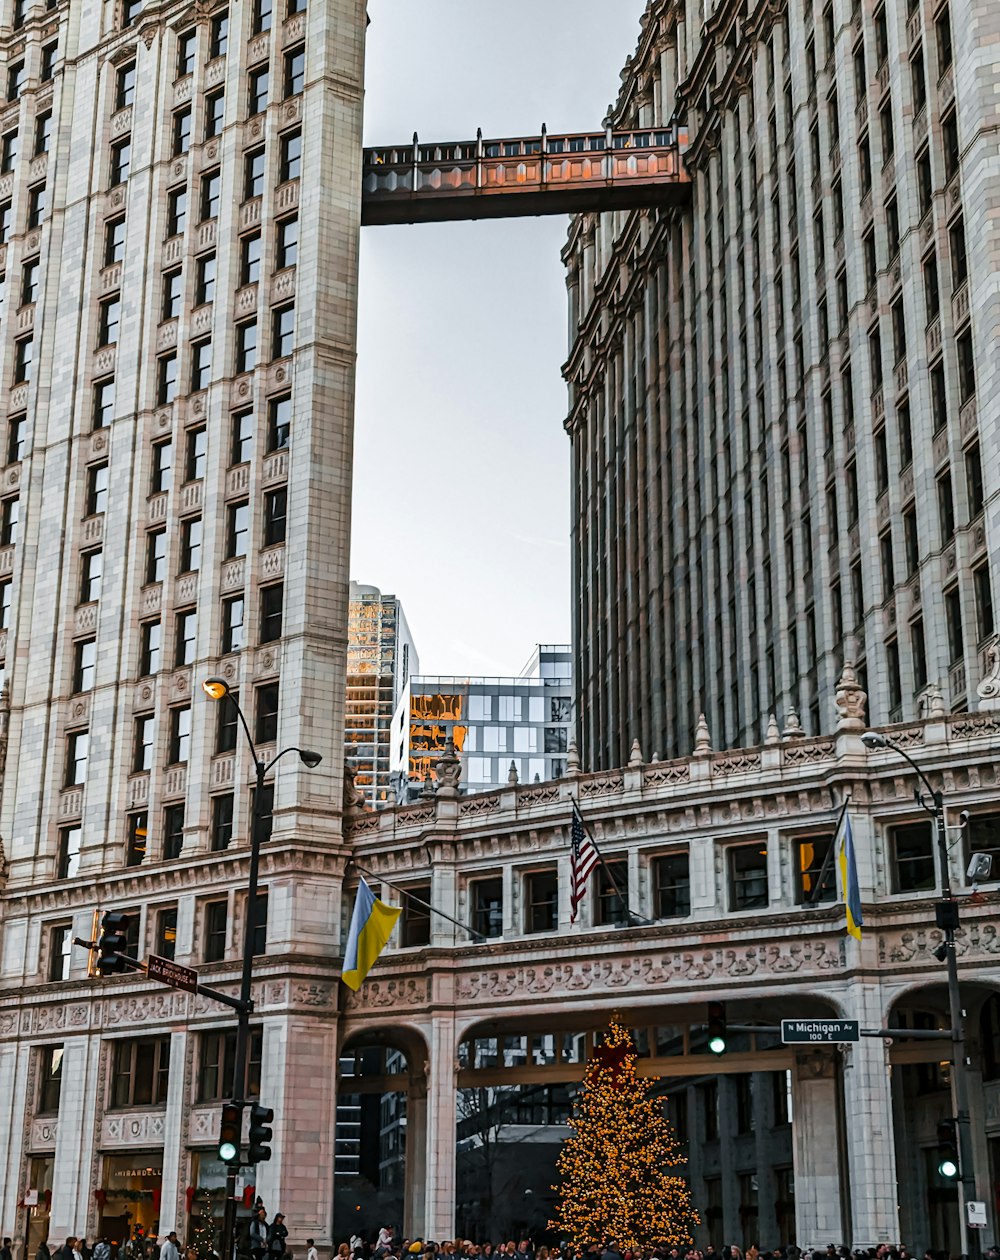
pixel 380 659
pixel 493 722
pixel 784 409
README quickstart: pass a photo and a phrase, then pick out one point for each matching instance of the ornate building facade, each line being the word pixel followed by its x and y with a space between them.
pixel 783 409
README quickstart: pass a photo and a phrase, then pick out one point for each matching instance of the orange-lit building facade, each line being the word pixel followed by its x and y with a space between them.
pixel 380 659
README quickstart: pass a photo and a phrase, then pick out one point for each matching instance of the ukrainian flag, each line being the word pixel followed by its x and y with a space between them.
pixel 371 926
pixel 849 878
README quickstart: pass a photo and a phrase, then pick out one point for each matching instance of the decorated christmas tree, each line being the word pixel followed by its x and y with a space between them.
pixel 203 1225
pixel 615 1174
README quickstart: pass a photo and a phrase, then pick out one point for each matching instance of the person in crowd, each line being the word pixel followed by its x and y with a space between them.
pixel 276 1236
pixel 170 1250
pixel 311 1252
pixel 102 1250
pixel 258 1232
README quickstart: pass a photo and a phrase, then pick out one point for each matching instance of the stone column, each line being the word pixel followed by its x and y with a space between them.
pixel 75 1153
pixel 14 1090
pixel 868 1134
pixel 415 1189
pixel 816 1148
pixel 174 1137
pixel 439 1213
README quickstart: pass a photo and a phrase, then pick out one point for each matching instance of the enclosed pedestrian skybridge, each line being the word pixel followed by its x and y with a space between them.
pixel 494 179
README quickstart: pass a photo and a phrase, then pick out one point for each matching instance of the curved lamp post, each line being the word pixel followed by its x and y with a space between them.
pixel 946 911
pixel 218 689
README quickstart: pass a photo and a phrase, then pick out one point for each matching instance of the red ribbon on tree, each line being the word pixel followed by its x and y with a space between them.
pixel 101 1196
pixel 189 1197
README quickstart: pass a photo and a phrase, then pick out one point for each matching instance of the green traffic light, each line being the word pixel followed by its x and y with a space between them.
pixel 948 1167
pixel 717 1045
pixel 227 1152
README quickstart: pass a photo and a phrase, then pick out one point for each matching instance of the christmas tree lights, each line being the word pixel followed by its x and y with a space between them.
pixel 616 1183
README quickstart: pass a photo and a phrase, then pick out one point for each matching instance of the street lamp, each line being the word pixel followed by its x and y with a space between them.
pixel 946 911
pixel 218 689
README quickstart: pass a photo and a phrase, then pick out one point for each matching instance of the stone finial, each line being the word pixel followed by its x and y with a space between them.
pixel 355 802
pixel 988 690
pixel 932 702
pixel 448 769
pixel 655 757
pixel 537 778
pixel 793 727
pixel 773 735
pixel 4 724
pixel 572 760
pixel 512 773
pixel 702 739
pixel 427 791
pixel 635 756
pixel 850 700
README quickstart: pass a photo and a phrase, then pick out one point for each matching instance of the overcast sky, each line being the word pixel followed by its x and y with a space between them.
pixel 461 485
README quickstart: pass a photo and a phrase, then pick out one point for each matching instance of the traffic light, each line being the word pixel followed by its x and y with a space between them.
pixel 111 943
pixel 947 1150
pixel 229 1133
pixel 717 1027
pixel 260 1134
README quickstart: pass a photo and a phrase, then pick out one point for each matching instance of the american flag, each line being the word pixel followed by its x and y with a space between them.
pixel 584 858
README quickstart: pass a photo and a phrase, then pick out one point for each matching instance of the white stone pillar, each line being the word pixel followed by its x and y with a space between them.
pixel 174 1138
pixel 13 1098
pixel 75 1151
pixel 816 1148
pixel 415 1187
pixel 439 1214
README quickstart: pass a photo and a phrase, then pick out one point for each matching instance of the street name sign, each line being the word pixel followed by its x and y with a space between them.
pixel 803 1031
pixel 169 972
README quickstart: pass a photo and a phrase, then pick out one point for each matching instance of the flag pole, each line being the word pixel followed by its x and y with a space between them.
pixel 419 900
pixel 813 898
pixel 629 915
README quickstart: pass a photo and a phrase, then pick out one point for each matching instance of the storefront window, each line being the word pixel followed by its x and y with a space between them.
pixel 129 1198
pixel 38 1200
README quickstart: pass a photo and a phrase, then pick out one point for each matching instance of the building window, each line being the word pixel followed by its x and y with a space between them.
pixel 246 345
pixel 888 571
pixel 222 822
pixel 187 46
pixel 983 836
pixel 295 70
pixel 92 573
pixel 60 952
pixel 24 360
pixel 69 852
pixel 138 839
pixel 182 131
pixel 541 892
pixel 227 727
pixel 173 832
pixel 258 90
pixel 180 735
pixel 911 542
pixel 10 519
pixel 291 155
pixel 265 814
pixel 151 644
pixel 984 601
pixel 121 161
pixel 6 213
pixel 250 258
pixel 261 16
pixel 266 731
pixel 415 921
pixel 275 513
pixel 217 1062
pixel 288 242
pixel 43 133
pixel 8 151
pixel 205 283
pixel 156 558
pixel 237 529
pixel 279 423
pixel 176 211
pixel 77 746
pixel 187 636
pixel 487 907
pixel 918 654
pixel 953 617
pixel 254 165
pixel 109 318
pixel 6 589
pixel 97 489
pixel 966 368
pixel 219 35
pixel 143 745
pixel 216 920
pixel 114 241
pixel 271 610
pixel 949 143
pixel 242 445
pixel 946 507
pixel 166 932
pixel 912 857
pixel 130 11
pixel 125 85
pixel 610 885
pixel 196 455
pixel 211 195
pixel 201 364
pixel 282 332
pixel 50 1080
pixel 166 378
pixel 140 1072
pixel 974 480
pixel 163 467
pixel 16 79
pixel 215 112
pixel 748 888
pixel 84 665
pixel 259 945
pixel 672 886
pixel 190 545
pixel 232 625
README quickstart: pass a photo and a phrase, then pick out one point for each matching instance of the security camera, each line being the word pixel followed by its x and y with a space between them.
pixel 964 817
pixel 979 867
